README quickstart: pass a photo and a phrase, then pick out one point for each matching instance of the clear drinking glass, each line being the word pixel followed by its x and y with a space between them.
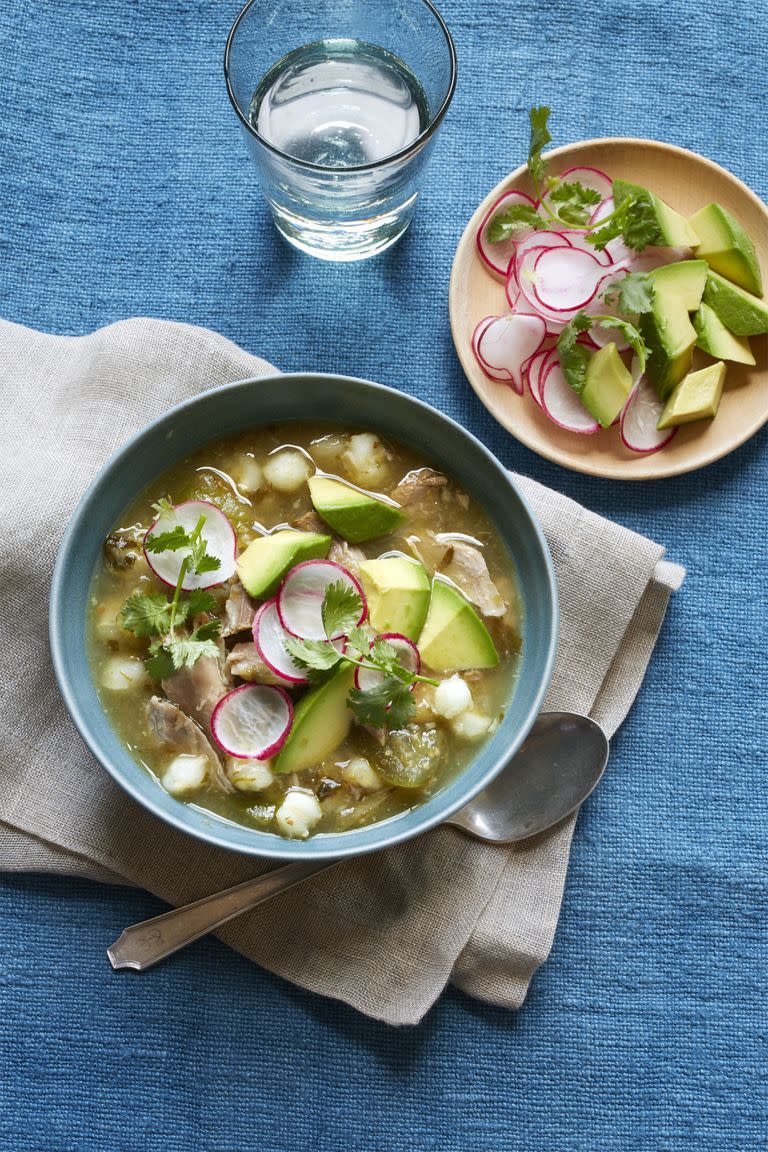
pixel 340 101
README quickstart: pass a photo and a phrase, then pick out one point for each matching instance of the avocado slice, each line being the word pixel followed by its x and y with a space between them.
pixel 742 313
pixel 266 560
pixel 672 229
pixel 354 514
pixel 320 722
pixel 667 329
pixel 397 589
pixel 713 337
pixel 697 397
pixel 608 384
pixel 454 637
pixel 727 248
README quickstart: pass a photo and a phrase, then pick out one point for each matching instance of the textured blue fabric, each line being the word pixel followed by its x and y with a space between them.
pixel 126 190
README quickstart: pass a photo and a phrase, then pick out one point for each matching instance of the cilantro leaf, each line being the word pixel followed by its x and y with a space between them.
pixel 169 541
pixel 573 202
pixel 187 650
pixel 506 223
pixel 633 293
pixel 360 639
pixel 631 334
pixel 540 137
pixel 574 357
pixel 208 631
pixel 199 602
pixel 202 561
pixel 159 663
pixel 342 608
pixel 312 655
pixel 389 703
pixel 146 614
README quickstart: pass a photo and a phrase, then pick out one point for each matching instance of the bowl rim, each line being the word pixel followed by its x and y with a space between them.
pixel 293 849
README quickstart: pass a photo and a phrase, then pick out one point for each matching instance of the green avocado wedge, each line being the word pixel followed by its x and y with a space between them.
pixel 608 384
pixel 266 560
pixel 742 313
pixel 397 589
pixel 727 248
pixel 667 328
pixel 320 722
pixel 672 229
pixel 696 397
pixel 454 637
pixel 713 337
pixel 354 514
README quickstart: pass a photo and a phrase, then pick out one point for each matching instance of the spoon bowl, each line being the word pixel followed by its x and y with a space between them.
pixel 558 766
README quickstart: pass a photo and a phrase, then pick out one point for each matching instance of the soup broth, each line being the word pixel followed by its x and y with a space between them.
pixel 434 536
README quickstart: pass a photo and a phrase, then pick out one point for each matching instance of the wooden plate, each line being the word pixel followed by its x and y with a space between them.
pixel 688 182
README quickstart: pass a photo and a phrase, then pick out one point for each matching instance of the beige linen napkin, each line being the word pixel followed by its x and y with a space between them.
pixel 383 933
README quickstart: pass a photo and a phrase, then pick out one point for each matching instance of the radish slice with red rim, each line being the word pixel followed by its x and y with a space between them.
pixel 639 419
pixel 301 594
pixel 562 404
pixel 480 327
pixel 598 337
pixel 579 240
pixel 564 281
pixel 496 257
pixel 253 721
pixel 508 343
pixel 537 368
pixel 269 638
pixel 407 654
pixel 217 532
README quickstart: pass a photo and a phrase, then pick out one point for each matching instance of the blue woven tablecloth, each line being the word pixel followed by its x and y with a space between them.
pixel 126 190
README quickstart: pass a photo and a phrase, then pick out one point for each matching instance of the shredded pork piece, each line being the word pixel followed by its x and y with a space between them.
pixel 468 570
pixel 239 611
pixel 198 689
pixel 172 728
pixel 311 522
pixel 346 555
pixel 244 661
pixel 416 484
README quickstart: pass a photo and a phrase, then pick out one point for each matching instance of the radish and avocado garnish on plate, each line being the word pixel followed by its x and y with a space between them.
pixel 611 293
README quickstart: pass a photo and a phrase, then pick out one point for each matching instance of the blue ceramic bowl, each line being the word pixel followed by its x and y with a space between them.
pixel 277 399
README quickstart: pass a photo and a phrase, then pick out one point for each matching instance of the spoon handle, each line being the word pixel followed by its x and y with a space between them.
pixel 143 945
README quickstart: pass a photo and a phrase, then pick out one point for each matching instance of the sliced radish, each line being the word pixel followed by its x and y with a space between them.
pixel 253 721
pixel 546 238
pixel 269 638
pixel 579 240
pixel 565 280
pixel 639 419
pixel 507 343
pixel 592 178
pixel 537 368
pixel 407 654
pixel 497 256
pixel 217 532
pixel 562 404
pixel 301 594
pixel 480 327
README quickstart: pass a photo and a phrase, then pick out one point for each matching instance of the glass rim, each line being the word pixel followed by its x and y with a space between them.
pixel 403 153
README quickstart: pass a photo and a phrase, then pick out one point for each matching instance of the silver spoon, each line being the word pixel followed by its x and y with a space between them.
pixel 554 770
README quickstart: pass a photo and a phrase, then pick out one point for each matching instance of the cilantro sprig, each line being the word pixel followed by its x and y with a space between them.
pixel 389 703
pixel 153 615
pixel 574 357
pixel 569 204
